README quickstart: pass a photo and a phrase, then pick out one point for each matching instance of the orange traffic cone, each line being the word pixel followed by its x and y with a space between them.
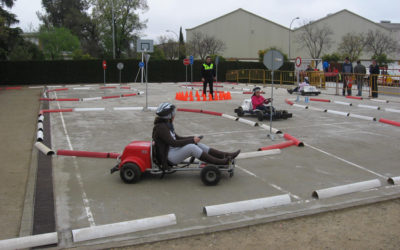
pixel 197 94
pixel 221 96
pixel 191 98
pixel 204 98
pixel 216 96
pixel 229 95
pixel 198 98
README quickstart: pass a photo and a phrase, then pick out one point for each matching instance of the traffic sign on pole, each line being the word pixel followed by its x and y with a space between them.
pixel 191 59
pixel 298 62
pixel 104 64
pixel 186 61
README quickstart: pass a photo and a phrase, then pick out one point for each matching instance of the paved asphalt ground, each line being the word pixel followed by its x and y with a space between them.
pixel 339 150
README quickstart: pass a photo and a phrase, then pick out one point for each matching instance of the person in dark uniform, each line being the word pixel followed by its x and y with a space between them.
pixel 208 76
pixel 347 71
pixel 374 72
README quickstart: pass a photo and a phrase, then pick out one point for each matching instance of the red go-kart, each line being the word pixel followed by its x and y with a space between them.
pixel 137 158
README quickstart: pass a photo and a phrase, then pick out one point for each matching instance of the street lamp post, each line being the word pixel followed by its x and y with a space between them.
pixel 177 38
pixel 290 31
pixel 113 28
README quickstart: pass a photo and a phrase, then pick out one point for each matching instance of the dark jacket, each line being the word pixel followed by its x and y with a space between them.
pixel 374 70
pixel 163 140
pixel 347 68
pixel 208 73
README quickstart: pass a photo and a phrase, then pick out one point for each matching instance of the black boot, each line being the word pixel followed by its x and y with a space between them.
pixel 213 160
pixel 222 155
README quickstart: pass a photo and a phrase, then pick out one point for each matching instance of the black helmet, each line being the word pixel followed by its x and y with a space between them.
pixel 166 110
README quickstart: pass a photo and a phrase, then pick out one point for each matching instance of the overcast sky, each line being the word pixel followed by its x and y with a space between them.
pixel 171 14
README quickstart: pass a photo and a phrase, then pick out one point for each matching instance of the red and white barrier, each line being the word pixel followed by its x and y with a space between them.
pixel 354 97
pixel 394 180
pixel 29 241
pixel 259 153
pixel 363 117
pixel 295 140
pixel 319 100
pixel 247 205
pixel 44 149
pixel 394 123
pixel 368 106
pixel 337 112
pixel 88 109
pixel 251 123
pixel 392 110
pixel 273 130
pixel 128 108
pixel 87 154
pixel 299 106
pixel 278 146
pixel 346 189
pixel 343 103
pixel 96 232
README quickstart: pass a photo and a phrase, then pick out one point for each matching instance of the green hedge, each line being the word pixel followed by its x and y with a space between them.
pixel 91 71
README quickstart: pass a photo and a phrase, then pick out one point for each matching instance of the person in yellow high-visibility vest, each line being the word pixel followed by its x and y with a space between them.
pixel 208 76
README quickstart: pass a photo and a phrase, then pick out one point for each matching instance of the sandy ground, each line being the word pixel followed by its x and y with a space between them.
pixel 18 113
pixel 375 226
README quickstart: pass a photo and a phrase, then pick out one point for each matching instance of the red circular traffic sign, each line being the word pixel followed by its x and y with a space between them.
pixel 104 64
pixel 298 61
pixel 186 61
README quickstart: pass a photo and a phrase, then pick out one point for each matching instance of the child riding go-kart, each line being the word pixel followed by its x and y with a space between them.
pixel 167 154
pixel 261 108
pixel 305 88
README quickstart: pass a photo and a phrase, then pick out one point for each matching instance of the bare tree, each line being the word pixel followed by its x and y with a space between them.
pixel 379 43
pixel 202 45
pixel 316 39
pixel 168 46
pixel 352 46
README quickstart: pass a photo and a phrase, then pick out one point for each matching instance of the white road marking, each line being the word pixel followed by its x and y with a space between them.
pixel 346 161
pixel 271 184
pixel 85 199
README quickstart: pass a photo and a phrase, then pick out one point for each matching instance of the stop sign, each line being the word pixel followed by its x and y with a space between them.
pixel 104 64
pixel 186 61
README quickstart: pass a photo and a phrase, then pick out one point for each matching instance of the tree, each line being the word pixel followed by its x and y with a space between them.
pixel 126 22
pixel 352 46
pixel 334 57
pixel 377 43
pixel 25 51
pixel 158 53
pixel 182 47
pixel 58 41
pixel 72 14
pixel 168 46
pixel 315 39
pixel 8 36
pixel 202 45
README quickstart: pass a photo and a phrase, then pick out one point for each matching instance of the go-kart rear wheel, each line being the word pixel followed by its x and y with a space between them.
pixel 239 111
pixel 210 175
pixel 260 115
pixel 130 173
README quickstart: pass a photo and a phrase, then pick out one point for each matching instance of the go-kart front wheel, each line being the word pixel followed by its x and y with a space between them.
pixel 260 115
pixel 130 173
pixel 210 175
pixel 239 111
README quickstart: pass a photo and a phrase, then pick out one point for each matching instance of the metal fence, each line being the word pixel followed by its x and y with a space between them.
pixel 386 84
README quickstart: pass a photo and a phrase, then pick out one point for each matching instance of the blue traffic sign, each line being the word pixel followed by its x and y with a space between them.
pixel 141 64
pixel 191 58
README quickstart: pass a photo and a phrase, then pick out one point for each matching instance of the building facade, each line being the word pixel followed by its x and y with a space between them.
pixel 245 33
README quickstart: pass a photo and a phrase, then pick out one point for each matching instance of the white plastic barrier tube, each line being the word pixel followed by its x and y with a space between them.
pixel 88 109
pixel 258 154
pixel 91 98
pixel 40 126
pixel 300 106
pixel 377 100
pixel 317 109
pixel 140 92
pixel 392 110
pixel 368 106
pixel 274 130
pixel 112 84
pixel 81 88
pixel 346 189
pixel 251 123
pixel 394 180
pixel 152 108
pixel 230 117
pixel 337 112
pixel 44 149
pixel 247 205
pixel 343 103
pixel 363 117
pixel 41 118
pixel 29 241
pixel 40 136
pixel 90 233
pixel 128 108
